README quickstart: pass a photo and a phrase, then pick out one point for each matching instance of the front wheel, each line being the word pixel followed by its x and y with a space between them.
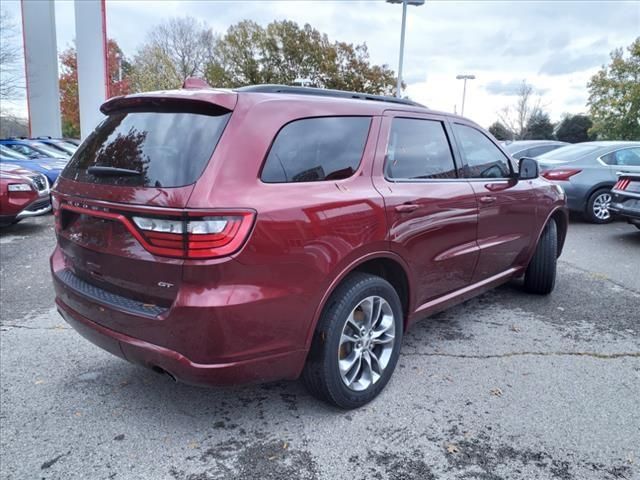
pixel 598 206
pixel 540 276
pixel 357 342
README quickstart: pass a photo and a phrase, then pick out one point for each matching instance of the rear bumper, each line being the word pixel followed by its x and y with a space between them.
pixel 627 206
pixel 205 337
pixel 134 350
pixel 576 196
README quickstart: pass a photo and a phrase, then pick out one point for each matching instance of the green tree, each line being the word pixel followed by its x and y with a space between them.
pixel 574 129
pixel 614 96
pixel 539 127
pixel 174 50
pixel 283 52
pixel 499 131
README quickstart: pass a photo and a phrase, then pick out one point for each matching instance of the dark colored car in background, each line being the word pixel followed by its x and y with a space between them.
pixel 268 232
pixel 23 194
pixel 531 148
pixel 625 201
pixel 34 148
pixel 587 172
pixel 50 167
pixel 60 144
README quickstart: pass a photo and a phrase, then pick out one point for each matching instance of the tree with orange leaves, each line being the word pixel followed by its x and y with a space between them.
pixel 118 69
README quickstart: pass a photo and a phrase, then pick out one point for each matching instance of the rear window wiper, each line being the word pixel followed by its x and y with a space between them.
pixel 112 172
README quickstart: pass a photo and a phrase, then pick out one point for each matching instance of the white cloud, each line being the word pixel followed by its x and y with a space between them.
pixel 556 46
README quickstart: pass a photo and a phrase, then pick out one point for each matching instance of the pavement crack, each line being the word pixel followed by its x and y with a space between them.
pixel 13 325
pixel 50 463
pixel 603 356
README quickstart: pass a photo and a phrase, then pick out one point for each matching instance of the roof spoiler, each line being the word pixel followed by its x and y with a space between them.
pixel 195 83
pixel 210 101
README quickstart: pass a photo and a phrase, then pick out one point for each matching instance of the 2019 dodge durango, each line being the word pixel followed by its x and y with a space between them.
pixel 271 232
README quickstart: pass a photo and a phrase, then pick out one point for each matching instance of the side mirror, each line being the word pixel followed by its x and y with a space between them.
pixel 528 169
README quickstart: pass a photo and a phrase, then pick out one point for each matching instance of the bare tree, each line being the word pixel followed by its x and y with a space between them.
pixel 175 50
pixel 516 117
pixel 9 57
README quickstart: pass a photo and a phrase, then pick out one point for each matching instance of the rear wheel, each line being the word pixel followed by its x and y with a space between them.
pixel 598 206
pixel 540 276
pixel 357 343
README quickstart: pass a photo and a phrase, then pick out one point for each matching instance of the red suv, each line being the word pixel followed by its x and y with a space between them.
pixel 269 232
pixel 23 194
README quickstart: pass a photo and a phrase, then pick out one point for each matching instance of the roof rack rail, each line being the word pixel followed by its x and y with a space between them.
pixel 325 92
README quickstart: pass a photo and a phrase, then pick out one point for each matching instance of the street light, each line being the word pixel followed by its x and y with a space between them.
pixel 404 3
pixel 464 88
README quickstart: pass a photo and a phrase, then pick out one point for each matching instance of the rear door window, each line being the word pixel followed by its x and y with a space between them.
pixel 418 149
pixel 317 149
pixel 150 148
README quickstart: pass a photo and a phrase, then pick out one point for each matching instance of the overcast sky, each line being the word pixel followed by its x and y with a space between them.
pixel 554 45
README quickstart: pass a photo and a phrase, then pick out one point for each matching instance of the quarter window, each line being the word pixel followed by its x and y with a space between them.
pixel 484 159
pixel 418 149
pixel 625 157
pixel 316 149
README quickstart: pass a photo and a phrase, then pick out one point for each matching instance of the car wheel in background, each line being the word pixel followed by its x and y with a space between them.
pixel 357 343
pixel 598 206
pixel 540 276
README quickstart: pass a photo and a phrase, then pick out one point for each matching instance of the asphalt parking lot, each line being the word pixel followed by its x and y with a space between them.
pixel 505 386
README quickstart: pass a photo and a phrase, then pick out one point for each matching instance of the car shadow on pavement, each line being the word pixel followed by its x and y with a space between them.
pixel 27 227
pixel 157 395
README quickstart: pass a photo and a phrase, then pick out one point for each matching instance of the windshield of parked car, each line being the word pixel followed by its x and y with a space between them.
pixel 7 152
pixel 48 150
pixel 569 153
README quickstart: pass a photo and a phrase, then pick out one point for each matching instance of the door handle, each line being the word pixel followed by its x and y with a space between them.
pixel 487 199
pixel 406 207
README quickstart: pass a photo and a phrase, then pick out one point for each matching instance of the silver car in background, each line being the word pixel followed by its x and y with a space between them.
pixel 531 148
pixel 587 172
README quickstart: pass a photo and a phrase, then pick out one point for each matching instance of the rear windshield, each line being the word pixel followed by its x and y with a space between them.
pixel 165 148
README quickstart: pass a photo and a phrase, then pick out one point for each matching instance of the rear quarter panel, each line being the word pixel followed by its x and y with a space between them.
pixel 305 234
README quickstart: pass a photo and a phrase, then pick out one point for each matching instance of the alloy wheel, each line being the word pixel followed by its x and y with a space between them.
pixel 366 343
pixel 601 206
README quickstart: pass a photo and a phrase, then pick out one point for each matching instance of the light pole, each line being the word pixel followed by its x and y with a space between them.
pixel 464 88
pixel 404 3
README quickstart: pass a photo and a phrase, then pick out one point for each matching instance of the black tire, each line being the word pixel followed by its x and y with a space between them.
pixel 590 213
pixel 321 374
pixel 540 276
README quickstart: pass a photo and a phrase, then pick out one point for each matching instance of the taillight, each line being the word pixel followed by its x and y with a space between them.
pixel 561 173
pixel 195 237
pixel 622 184
pixel 55 206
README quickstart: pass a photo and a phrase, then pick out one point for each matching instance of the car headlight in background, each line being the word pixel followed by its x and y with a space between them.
pixel 19 187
